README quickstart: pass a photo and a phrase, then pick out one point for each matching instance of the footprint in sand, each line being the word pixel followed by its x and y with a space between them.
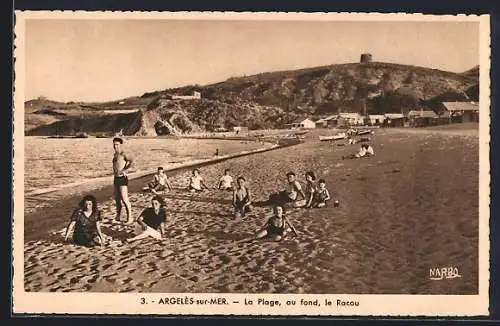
pixel 235 287
pixel 127 280
pixel 150 284
pixel 225 259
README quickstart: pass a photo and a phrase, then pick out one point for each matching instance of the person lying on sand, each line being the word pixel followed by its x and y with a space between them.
pixel 364 151
pixel 310 188
pixel 241 198
pixel 151 221
pixel 321 196
pixel 85 224
pixel 160 182
pixel 226 182
pixel 277 226
pixel 196 182
pixel 290 194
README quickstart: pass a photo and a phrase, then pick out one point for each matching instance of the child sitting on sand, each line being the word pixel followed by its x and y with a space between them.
pixel 151 221
pixel 160 182
pixel 85 223
pixel 241 198
pixel 321 195
pixel 196 182
pixel 364 151
pixel 226 181
pixel 310 188
pixel 277 226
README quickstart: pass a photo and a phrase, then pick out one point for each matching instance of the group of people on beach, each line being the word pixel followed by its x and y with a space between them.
pixel 85 220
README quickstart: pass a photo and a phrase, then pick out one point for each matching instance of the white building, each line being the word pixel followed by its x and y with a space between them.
pixel 195 96
pixel 376 119
pixel 349 119
pixel 306 124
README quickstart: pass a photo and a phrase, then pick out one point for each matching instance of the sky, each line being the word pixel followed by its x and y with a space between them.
pixel 104 60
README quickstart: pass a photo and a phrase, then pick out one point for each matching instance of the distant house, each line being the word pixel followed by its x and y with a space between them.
pixel 349 119
pixel 306 124
pixel 321 123
pixel 375 119
pixel 195 96
pixel 421 118
pixel 394 120
pixel 460 111
pixel 121 102
pixel 330 121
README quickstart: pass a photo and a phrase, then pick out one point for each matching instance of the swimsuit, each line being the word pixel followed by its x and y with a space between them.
pixel 240 203
pixel 226 181
pixel 195 183
pixel 275 230
pixel 121 181
pixel 158 183
pixel 321 196
pixel 119 162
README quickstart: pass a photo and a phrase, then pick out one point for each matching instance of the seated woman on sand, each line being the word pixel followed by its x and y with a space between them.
pixel 364 151
pixel 277 226
pixel 196 182
pixel 290 194
pixel 85 223
pixel 241 198
pixel 151 221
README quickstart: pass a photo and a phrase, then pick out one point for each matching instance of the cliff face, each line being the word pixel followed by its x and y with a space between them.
pixel 265 100
pixel 109 124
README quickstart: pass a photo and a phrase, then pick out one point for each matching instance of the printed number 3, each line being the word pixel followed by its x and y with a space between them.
pixel 143 301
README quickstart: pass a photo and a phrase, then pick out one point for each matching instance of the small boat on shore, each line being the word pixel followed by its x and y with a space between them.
pixel 338 136
pixel 365 132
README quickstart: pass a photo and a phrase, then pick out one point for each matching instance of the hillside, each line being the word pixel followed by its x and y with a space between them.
pixel 384 87
pixel 270 99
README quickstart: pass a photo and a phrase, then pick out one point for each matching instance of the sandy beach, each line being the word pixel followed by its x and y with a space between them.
pixel 411 207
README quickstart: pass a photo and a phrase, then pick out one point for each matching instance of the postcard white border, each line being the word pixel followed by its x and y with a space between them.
pixel 130 303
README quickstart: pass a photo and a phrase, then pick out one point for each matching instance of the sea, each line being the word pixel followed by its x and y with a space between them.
pixel 51 163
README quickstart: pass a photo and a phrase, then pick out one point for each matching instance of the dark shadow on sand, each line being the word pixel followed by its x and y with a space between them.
pixel 116 234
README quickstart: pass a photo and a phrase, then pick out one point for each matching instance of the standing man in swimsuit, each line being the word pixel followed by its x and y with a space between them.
pixel 121 163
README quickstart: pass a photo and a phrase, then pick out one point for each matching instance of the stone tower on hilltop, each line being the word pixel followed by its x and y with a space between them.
pixel 365 58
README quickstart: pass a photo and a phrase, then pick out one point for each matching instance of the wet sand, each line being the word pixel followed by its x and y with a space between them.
pixel 412 207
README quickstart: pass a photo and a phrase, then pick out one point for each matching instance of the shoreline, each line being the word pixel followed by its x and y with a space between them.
pixel 36 228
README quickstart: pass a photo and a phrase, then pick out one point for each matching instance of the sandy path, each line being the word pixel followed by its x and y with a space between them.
pixel 412 207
